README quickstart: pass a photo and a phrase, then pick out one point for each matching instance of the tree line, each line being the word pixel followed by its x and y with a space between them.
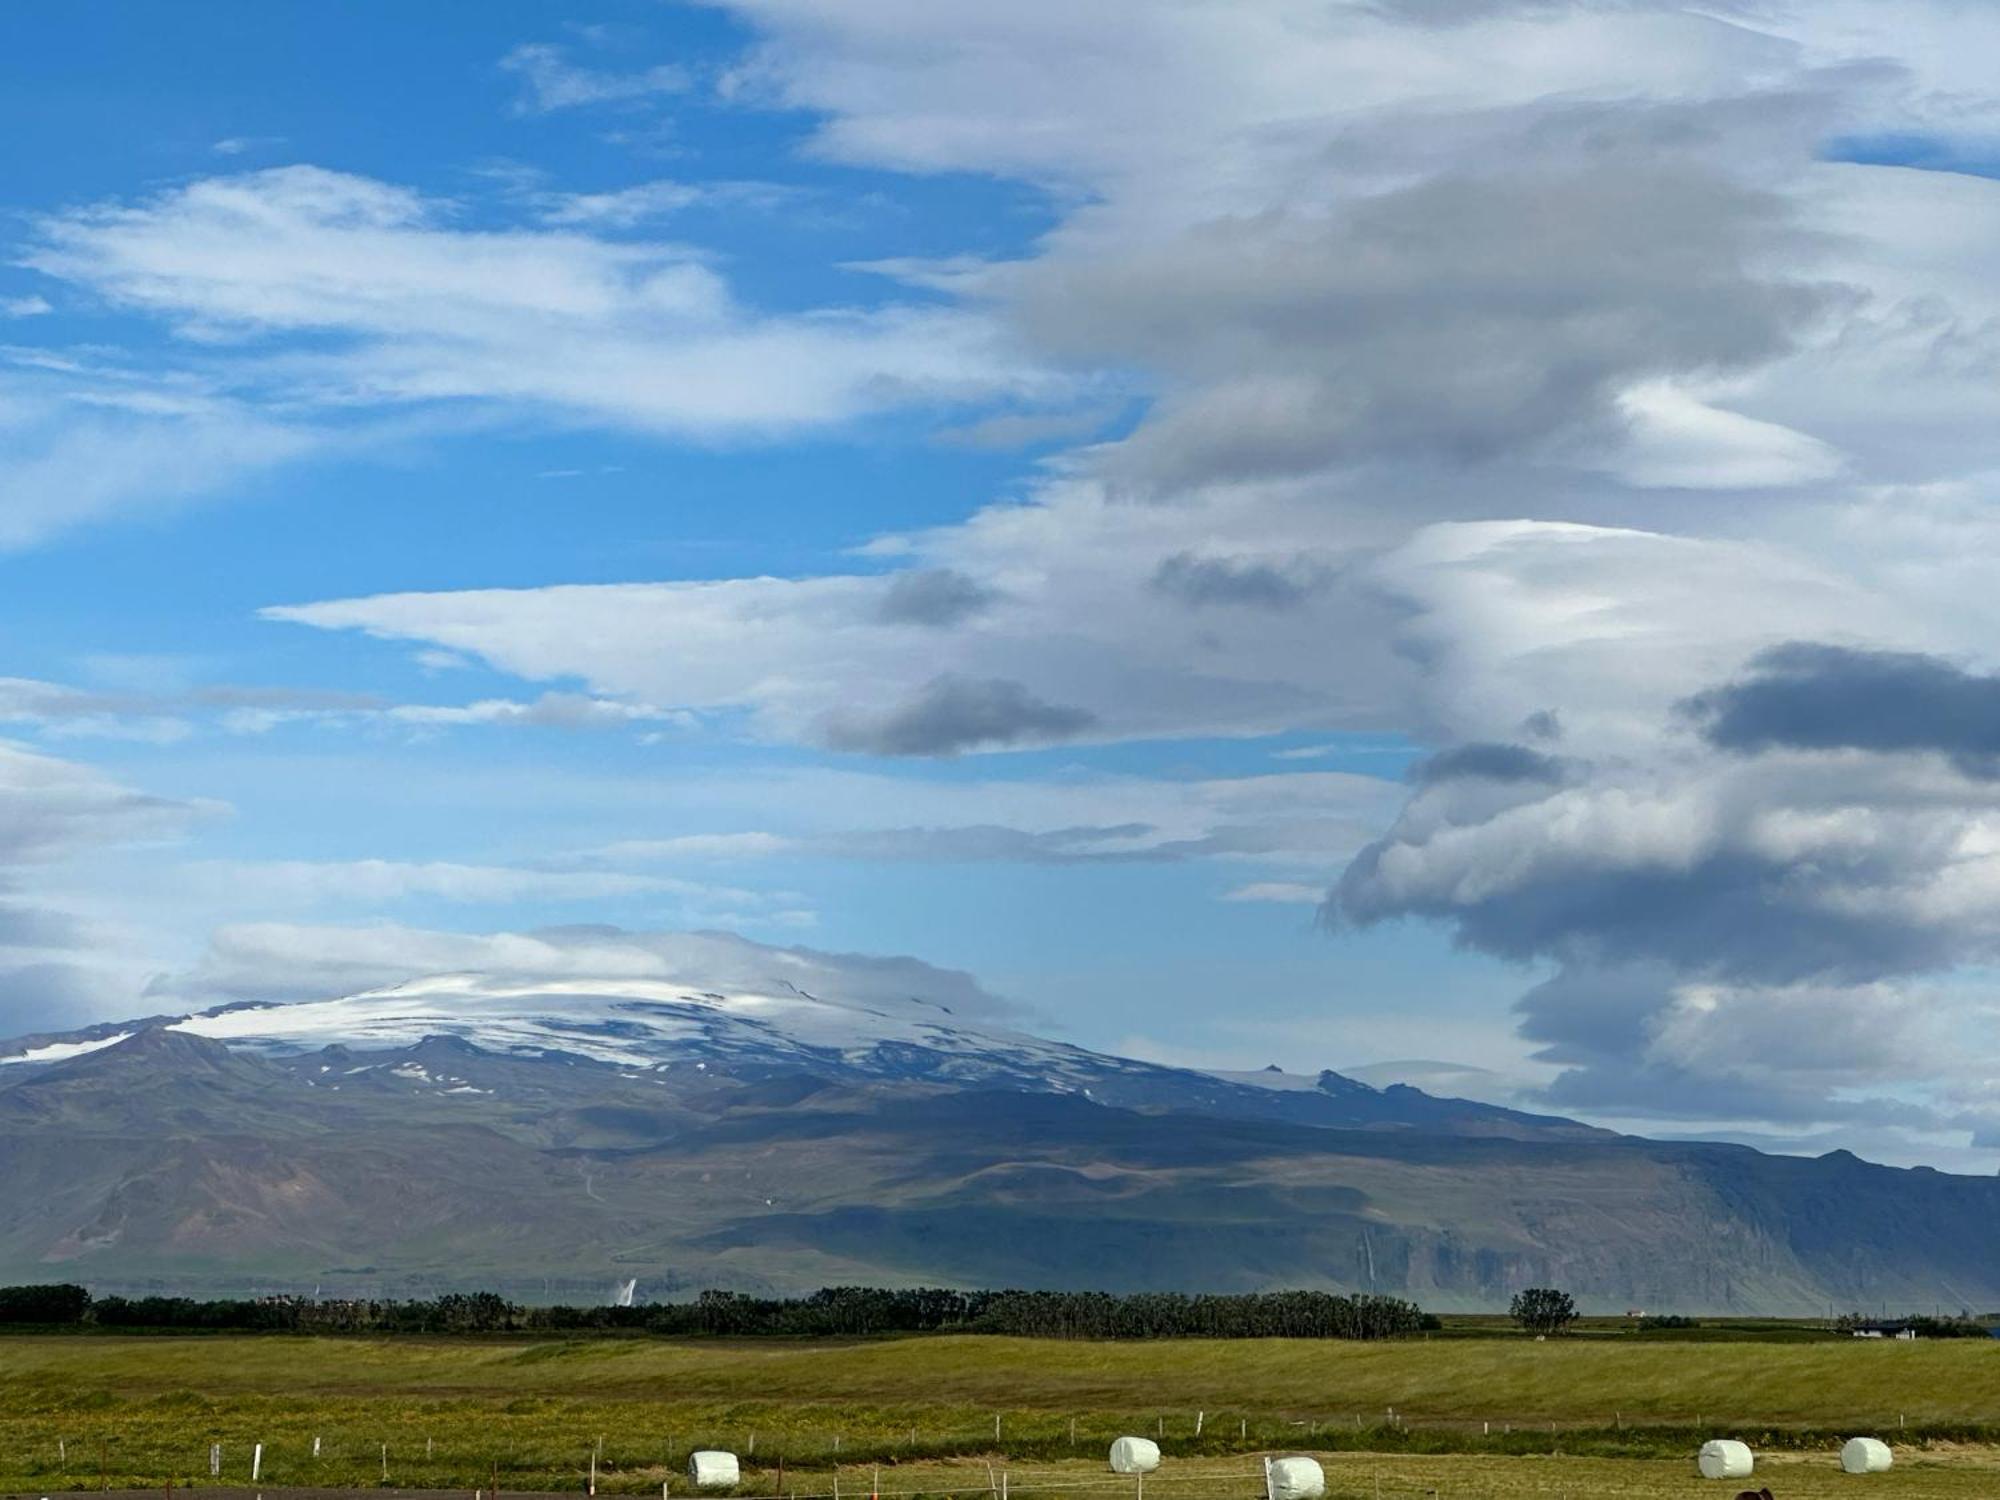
pixel 832 1311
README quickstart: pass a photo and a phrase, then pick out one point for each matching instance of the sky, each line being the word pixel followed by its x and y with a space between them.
pixel 1447 539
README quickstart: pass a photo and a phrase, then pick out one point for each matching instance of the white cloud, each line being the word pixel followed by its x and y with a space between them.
pixel 51 809
pixel 374 882
pixel 636 335
pixel 62 961
pixel 145 703
pixel 551 710
pixel 550 80
pixel 623 208
pixel 1071 618
pixel 1309 820
pixel 268 961
pixel 1278 892
pixel 81 445
pixel 1674 440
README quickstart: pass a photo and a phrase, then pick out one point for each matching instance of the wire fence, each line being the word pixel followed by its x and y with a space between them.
pixel 1016 1455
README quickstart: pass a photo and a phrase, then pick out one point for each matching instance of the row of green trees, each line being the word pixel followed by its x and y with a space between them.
pixel 847 1311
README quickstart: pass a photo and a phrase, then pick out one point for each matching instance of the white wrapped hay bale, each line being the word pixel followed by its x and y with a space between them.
pixel 1294 1479
pixel 1865 1456
pixel 1134 1455
pixel 712 1469
pixel 1725 1458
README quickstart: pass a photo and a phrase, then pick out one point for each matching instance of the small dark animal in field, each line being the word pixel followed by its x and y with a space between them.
pixel 1763 1494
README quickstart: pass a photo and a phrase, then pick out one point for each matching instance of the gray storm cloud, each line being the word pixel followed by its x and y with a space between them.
pixel 951 714
pixel 1811 696
pixel 1466 316
pixel 937 597
pixel 1247 582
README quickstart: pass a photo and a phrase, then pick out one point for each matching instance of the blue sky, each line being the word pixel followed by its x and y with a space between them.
pixel 1057 494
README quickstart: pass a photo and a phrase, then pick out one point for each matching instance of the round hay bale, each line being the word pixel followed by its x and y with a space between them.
pixel 1865 1456
pixel 1725 1458
pixel 712 1469
pixel 1294 1479
pixel 1134 1455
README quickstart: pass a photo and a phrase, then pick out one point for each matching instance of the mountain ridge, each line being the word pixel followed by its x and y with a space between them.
pixel 599 1132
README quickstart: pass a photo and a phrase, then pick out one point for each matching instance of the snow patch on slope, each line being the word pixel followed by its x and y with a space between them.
pixel 61 1051
pixel 634 1023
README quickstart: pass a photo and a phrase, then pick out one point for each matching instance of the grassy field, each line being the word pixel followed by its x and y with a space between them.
pixel 1471 1417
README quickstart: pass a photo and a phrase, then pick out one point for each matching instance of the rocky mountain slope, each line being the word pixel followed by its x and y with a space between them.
pixel 559 1139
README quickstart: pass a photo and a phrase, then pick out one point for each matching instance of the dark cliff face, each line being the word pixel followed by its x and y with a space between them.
pixel 170 1161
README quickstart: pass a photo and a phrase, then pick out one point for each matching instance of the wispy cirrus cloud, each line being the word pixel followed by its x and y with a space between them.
pixel 82 444
pixel 260 271
pixel 551 79
pixel 166 716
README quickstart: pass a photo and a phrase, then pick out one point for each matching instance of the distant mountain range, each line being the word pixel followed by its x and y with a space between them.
pixel 558 1138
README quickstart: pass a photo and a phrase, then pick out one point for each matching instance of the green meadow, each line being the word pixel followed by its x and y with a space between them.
pixel 91 1412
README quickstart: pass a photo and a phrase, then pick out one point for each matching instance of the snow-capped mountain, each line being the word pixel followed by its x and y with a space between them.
pixel 768 1011
pixel 641 1023
pixel 803 1122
